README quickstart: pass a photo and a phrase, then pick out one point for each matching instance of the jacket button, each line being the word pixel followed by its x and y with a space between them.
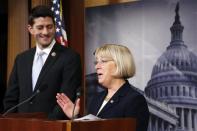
pixel 31 102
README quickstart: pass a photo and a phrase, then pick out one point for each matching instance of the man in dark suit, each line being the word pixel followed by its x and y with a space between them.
pixel 60 70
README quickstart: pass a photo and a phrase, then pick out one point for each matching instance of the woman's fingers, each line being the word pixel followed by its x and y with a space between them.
pixel 61 101
pixel 60 104
pixel 67 105
pixel 62 98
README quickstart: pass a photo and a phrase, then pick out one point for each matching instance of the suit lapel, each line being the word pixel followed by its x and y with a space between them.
pixel 115 98
pixel 52 57
pixel 98 102
pixel 28 65
pixel 110 104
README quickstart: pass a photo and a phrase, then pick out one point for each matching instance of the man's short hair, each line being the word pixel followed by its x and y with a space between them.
pixel 40 11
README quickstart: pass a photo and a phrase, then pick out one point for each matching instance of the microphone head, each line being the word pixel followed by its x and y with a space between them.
pixel 37 91
pixel 78 94
pixel 79 91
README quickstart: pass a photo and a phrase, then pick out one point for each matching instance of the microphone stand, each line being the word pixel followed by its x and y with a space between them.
pixel 73 112
pixel 21 103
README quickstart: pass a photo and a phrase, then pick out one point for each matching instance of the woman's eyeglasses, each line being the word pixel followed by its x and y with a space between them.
pixel 101 62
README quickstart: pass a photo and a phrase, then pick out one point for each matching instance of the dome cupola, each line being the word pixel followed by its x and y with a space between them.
pixel 175 72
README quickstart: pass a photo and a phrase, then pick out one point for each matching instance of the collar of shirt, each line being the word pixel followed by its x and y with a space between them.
pixel 45 50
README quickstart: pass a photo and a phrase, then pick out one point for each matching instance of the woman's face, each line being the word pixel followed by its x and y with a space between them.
pixel 105 69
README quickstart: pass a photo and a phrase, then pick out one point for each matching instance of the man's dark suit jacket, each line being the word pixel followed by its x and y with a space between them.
pixel 126 102
pixel 60 73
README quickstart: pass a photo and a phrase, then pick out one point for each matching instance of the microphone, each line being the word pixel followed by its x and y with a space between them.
pixel 21 103
pixel 78 94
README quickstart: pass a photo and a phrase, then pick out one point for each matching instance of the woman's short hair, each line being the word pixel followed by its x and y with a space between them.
pixel 122 57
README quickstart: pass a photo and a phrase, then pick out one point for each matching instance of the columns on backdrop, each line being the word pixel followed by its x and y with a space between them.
pixel 195 120
pixel 189 120
pixel 182 119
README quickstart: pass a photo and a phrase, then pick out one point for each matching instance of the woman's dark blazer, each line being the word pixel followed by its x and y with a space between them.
pixel 126 102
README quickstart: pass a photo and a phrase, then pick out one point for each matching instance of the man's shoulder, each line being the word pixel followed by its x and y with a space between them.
pixel 26 53
pixel 134 92
pixel 65 51
pixel 63 48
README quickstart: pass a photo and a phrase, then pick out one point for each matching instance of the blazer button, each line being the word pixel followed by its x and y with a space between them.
pixel 111 101
pixel 31 103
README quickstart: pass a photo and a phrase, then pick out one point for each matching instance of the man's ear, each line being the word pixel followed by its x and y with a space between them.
pixel 30 29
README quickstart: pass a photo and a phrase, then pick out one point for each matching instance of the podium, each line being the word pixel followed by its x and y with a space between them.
pixel 38 122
